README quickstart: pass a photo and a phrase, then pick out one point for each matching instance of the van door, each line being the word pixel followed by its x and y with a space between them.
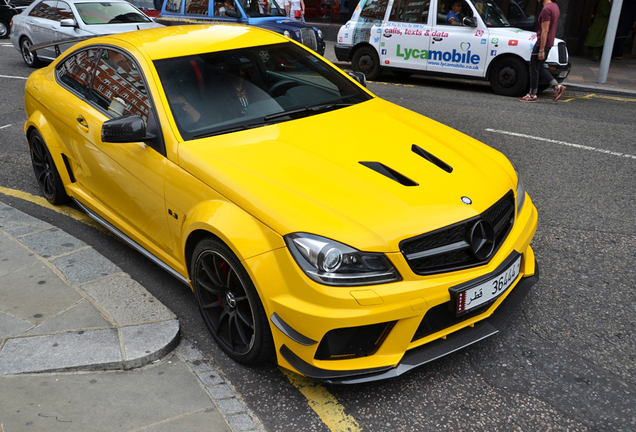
pixel 406 35
pixel 457 49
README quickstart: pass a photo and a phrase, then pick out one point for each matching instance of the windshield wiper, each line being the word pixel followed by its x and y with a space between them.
pixel 221 131
pixel 313 108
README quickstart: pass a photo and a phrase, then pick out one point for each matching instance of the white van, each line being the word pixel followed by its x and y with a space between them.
pixel 413 36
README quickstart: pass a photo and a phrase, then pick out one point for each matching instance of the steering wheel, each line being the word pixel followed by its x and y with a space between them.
pixel 280 87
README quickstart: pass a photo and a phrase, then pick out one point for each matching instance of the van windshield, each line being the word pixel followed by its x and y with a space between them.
pixel 491 14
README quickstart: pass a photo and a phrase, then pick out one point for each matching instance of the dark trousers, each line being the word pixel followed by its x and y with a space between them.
pixel 538 70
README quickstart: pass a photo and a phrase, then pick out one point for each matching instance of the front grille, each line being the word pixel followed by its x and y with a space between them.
pixel 440 317
pixel 448 249
pixel 308 38
pixel 563 53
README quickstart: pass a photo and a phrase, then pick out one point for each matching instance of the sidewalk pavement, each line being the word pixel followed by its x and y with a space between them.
pixel 84 347
pixel 621 77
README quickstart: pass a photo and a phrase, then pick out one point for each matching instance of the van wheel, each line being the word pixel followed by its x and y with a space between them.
pixel 543 87
pixel 510 77
pixel 366 60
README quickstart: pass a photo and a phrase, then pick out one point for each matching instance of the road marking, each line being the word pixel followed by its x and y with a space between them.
pixel 579 146
pixel 323 403
pixel 593 95
pixel 16 77
pixel 6 126
pixel 62 209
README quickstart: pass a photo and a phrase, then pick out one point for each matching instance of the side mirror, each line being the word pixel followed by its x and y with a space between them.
pixel 360 77
pixel 469 22
pixel 68 22
pixel 125 129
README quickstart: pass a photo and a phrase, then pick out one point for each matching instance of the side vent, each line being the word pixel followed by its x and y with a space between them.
pixel 390 173
pixel 432 159
pixel 67 164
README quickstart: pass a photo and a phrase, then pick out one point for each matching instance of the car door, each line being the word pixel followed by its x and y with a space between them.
pixel 123 182
pixel 406 35
pixel 457 49
pixel 41 24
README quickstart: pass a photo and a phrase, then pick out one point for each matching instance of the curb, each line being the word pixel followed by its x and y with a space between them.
pixel 113 323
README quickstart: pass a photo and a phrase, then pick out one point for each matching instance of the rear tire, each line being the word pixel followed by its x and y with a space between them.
pixel 229 303
pixel 46 173
pixel 510 77
pixel 30 58
pixel 366 60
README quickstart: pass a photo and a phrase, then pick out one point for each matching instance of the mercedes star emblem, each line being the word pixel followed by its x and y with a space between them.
pixel 482 240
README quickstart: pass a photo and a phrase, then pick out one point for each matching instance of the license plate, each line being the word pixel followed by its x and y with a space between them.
pixel 488 290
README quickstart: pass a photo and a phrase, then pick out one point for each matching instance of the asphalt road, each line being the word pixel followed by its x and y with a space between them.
pixel 565 361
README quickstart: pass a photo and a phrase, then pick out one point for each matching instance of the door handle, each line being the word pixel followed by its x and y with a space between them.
pixel 82 122
pixel 438 39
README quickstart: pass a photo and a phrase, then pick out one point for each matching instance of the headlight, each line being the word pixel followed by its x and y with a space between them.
pixel 521 192
pixel 287 34
pixel 331 263
pixel 319 32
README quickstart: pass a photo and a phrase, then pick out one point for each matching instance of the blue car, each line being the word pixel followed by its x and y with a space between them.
pixel 267 15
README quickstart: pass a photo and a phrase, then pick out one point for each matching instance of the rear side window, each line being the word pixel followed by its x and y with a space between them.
pixel 45 9
pixel 374 9
pixel 173 6
pixel 118 86
pixel 197 7
pixel 76 71
pixel 412 11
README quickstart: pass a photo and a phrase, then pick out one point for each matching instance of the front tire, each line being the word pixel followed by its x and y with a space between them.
pixel 45 171
pixel 229 303
pixel 366 60
pixel 30 58
pixel 510 77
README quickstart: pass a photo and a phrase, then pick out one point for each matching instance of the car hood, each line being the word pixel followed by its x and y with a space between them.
pixel 306 175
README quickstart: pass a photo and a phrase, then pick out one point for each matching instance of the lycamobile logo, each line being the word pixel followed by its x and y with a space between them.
pixel 447 56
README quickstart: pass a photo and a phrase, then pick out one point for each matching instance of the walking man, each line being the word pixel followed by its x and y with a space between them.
pixel 546 31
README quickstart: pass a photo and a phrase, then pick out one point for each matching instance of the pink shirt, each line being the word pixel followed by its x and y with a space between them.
pixel 550 13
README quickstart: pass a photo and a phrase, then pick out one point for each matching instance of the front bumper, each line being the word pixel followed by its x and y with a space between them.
pixel 558 71
pixel 306 317
pixel 425 353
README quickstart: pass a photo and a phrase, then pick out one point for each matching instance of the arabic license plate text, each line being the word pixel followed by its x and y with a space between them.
pixel 488 290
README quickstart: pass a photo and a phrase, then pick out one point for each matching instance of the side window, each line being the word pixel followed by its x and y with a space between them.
pixel 46 10
pixel 173 6
pixel 196 7
pixel 411 11
pixel 374 9
pixel 76 71
pixel 64 11
pixel 452 12
pixel 118 86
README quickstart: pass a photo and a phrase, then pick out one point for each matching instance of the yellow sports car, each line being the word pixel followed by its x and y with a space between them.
pixel 351 251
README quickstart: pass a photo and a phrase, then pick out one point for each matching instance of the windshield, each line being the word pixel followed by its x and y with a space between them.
pixel 110 13
pixel 491 14
pixel 221 92
pixel 256 9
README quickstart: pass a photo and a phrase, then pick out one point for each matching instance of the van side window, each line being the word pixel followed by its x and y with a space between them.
pixel 411 11
pixel 196 7
pixel 374 9
pixel 173 6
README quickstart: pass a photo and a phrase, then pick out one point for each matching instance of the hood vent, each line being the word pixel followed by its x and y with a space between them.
pixel 390 173
pixel 432 159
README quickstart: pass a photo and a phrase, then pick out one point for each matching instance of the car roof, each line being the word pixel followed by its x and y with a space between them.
pixel 176 41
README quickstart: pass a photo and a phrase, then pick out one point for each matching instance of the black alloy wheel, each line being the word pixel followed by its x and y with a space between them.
pixel 229 303
pixel 46 173
pixel 30 58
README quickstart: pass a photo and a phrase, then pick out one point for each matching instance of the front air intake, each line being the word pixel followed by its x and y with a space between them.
pixel 353 342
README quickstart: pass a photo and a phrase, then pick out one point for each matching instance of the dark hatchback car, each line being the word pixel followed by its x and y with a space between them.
pixel 7 11
pixel 250 12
